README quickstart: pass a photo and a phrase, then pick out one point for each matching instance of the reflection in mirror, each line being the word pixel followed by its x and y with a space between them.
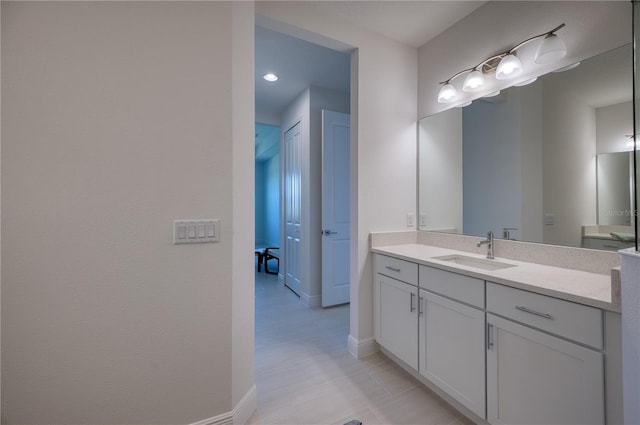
pixel 615 188
pixel 523 163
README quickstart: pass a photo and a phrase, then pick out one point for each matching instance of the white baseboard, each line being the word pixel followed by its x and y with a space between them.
pixel 240 413
pixel 311 301
pixel 363 348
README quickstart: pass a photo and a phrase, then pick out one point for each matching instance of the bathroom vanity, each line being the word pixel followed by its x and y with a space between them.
pixel 504 341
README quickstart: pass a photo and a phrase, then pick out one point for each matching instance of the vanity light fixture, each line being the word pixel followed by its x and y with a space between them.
pixel 270 77
pixel 474 81
pixel 505 65
pixel 492 94
pixel 462 105
pixel 447 93
pixel 509 67
pixel 526 82
pixel 567 68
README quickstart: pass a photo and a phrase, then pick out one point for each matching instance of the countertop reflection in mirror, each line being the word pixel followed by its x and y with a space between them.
pixel 525 163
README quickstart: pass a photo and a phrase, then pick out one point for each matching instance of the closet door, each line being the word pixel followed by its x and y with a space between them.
pixel 292 195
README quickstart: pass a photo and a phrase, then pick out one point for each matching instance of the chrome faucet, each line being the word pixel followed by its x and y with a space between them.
pixel 489 243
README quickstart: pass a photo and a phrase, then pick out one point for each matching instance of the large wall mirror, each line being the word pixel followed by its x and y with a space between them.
pixel 548 162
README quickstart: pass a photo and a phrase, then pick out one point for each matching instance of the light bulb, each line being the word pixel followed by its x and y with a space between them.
pixel 551 49
pixel 270 77
pixel 474 81
pixel 509 67
pixel 447 93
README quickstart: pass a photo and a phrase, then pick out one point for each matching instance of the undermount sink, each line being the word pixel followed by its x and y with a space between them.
pixel 478 263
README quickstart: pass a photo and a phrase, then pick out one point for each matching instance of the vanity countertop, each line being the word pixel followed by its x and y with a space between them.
pixel 572 285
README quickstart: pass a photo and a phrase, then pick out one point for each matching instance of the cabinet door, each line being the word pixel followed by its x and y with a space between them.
pixel 536 378
pixel 397 318
pixel 452 349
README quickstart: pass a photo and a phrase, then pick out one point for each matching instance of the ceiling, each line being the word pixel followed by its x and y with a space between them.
pixel 300 64
pixel 410 22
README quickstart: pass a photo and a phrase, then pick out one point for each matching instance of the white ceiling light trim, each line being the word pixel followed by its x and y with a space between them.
pixel 270 77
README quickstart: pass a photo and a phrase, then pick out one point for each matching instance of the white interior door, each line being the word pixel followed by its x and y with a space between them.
pixel 292 183
pixel 335 207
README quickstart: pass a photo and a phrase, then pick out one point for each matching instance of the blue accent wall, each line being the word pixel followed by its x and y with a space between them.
pixel 272 201
pixel 267 198
pixel 261 238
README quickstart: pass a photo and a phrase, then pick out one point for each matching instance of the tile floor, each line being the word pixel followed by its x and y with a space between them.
pixel 305 375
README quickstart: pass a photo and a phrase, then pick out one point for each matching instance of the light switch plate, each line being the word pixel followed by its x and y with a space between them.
pixel 196 231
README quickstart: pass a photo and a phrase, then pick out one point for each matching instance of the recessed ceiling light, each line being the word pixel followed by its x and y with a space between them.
pixel 270 77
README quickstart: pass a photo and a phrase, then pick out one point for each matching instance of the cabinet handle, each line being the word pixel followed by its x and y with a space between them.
pixel 420 306
pixel 489 336
pixel 535 313
pixel 412 304
pixel 611 246
pixel 393 269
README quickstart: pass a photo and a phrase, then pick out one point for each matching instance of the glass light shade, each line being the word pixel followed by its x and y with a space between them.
pixel 474 81
pixel 509 67
pixel 551 49
pixel 568 67
pixel 462 105
pixel 492 94
pixel 526 82
pixel 447 93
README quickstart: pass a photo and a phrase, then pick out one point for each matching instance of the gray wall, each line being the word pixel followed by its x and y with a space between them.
pixel 117 119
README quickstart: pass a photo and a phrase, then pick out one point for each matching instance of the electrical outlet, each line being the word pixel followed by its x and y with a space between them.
pixel 411 219
pixel 423 219
pixel 549 219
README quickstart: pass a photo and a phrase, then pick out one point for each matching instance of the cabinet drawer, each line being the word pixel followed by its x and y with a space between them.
pixel 570 320
pixel 397 269
pixel 461 288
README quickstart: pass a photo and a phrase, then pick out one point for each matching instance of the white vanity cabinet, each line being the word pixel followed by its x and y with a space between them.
pixel 534 376
pixel 396 304
pixel 452 336
pixel 507 355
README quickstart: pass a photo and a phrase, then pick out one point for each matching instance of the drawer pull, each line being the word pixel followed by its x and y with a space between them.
pixel 412 305
pixel 535 313
pixel 393 269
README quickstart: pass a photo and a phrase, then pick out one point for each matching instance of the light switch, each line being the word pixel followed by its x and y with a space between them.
pixel 195 231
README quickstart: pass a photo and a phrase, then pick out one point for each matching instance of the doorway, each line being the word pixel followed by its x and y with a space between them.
pixel 304 79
